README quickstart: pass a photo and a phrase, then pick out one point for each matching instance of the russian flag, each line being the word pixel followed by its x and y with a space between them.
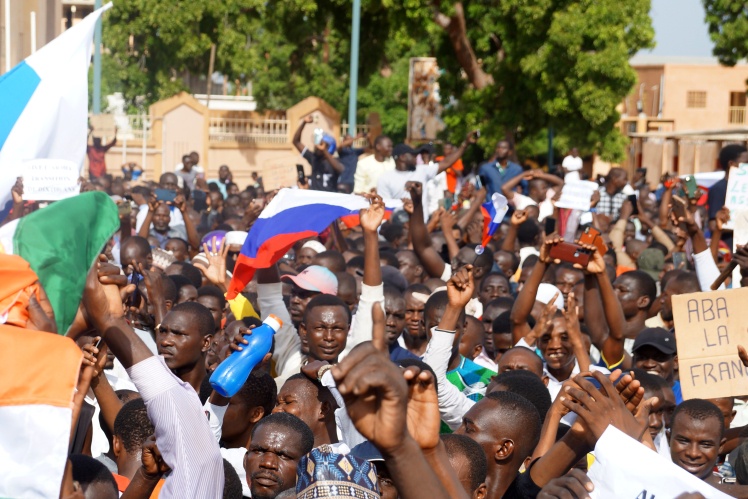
pixel 292 215
pixel 390 205
pixel 44 103
pixel 493 214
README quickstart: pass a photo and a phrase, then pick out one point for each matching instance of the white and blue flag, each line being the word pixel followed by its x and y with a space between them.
pixel 44 105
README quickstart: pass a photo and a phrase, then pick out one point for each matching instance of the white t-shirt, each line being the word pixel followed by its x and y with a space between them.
pixel 572 165
pixel 391 185
pixel 368 171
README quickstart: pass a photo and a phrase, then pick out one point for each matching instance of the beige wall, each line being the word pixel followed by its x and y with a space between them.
pixel 716 81
pixel 48 14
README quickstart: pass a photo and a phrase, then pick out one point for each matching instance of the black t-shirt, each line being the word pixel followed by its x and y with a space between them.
pixel 522 487
pixel 324 177
pixel 716 197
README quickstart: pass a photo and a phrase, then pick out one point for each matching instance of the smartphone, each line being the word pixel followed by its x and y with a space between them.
pixel 679 207
pixel 690 186
pixel 134 299
pixel 200 202
pixel 483 181
pixel 680 261
pixel 570 252
pixel 165 195
pixel 300 174
pixel 632 198
pixel 448 201
pixel 592 236
pixel 550 225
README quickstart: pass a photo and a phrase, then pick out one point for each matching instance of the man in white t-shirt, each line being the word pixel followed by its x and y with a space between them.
pixel 572 165
pixel 370 168
pixel 541 187
pixel 391 185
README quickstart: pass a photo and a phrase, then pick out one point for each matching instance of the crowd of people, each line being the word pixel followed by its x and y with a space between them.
pixel 408 364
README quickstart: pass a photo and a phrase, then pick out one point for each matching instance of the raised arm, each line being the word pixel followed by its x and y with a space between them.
pixel 475 204
pixel 447 222
pixel 145 228
pixel 510 241
pixel 451 158
pixel 297 136
pixel 189 225
pixel 419 235
pixel 526 298
pixel 334 162
pixel 575 333
pixel 508 188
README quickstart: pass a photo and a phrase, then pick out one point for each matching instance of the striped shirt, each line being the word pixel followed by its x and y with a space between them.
pixel 183 434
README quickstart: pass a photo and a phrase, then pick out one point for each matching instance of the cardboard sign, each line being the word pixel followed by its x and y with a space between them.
pixel 708 328
pixel 736 197
pixel 50 179
pixel 624 468
pixel 577 195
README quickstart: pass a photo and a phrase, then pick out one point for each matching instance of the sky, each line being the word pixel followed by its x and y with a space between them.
pixel 680 29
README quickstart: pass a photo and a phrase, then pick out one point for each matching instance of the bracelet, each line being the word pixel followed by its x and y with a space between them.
pixel 322 371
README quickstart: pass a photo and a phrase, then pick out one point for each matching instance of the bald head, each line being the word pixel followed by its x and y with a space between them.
pixel 521 358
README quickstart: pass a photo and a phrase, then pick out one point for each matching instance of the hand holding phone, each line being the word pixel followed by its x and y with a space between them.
pixel 165 195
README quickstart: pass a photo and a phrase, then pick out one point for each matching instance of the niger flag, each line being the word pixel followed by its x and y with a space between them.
pixel 37 383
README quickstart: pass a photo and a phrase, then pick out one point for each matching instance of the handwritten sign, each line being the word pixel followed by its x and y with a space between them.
pixel 50 179
pixel 736 197
pixel 708 328
pixel 624 468
pixel 577 195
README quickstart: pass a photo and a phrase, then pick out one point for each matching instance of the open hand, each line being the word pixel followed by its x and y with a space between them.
pixel 216 270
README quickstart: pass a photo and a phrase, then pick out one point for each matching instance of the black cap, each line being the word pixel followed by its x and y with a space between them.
pixel 660 338
pixel 427 148
pixel 401 149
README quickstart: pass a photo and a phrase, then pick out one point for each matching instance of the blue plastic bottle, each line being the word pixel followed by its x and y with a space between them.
pixel 233 372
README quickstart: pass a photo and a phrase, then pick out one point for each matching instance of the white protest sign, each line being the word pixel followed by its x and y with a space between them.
pixel 50 179
pixel 625 468
pixel 736 197
pixel 709 327
pixel 577 195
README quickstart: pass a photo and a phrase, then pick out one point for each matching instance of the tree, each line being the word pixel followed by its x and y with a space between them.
pixel 512 68
pixel 728 29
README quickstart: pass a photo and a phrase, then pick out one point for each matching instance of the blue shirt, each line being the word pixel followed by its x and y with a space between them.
pixel 349 157
pixel 677 392
pixel 496 178
pixel 399 353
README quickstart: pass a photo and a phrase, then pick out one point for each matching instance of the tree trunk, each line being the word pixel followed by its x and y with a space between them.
pixel 457 31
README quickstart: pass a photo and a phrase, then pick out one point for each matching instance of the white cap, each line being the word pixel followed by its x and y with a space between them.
pixel 546 292
pixel 314 246
pixel 274 322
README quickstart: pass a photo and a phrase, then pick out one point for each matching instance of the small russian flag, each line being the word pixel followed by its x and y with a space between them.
pixel 292 215
pixel 493 213
pixel 390 205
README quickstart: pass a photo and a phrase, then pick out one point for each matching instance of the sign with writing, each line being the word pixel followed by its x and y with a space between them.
pixel 736 197
pixel 624 468
pixel 50 179
pixel 708 329
pixel 577 195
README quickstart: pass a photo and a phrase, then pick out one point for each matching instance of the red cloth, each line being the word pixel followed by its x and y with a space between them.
pixel 96 160
pixel 457 166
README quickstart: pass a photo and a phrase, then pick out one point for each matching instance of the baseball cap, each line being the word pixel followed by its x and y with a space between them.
pixel 651 261
pixel 660 338
pixel 315 246
pixel 401 149
pixel 315 278
pixel 427 148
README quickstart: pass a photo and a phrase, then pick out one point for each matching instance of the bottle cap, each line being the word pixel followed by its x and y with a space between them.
pixel 274 322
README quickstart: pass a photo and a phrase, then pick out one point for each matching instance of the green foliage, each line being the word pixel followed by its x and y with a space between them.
pixel 728 28
pixel 559 63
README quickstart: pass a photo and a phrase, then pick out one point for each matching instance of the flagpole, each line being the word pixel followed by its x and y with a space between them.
pixel 353 77
pixel 97 63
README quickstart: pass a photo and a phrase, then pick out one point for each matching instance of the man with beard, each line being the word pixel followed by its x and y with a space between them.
pixel 278 443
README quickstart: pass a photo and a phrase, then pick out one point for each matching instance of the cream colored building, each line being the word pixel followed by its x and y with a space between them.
pixel 681 112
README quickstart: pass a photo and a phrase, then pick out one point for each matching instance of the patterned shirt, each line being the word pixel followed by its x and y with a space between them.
pixel 610 205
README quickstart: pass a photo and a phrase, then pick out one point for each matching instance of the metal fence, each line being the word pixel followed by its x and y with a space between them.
pixel 257 131
pixel 360 129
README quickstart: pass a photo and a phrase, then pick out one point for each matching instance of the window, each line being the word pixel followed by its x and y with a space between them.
pixel 737 99
pixel 695 99
pixel 737 108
